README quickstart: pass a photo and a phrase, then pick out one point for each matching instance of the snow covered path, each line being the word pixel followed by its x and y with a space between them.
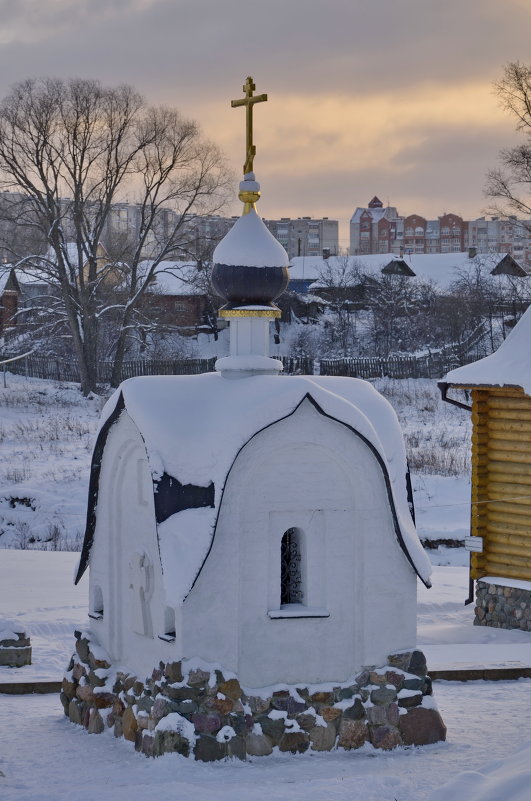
pixel 46 758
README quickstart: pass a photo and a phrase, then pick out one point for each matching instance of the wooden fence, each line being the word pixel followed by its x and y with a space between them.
pixel 55 369
pixel 136 367
pixel 67 370
pixel 432 365
pixel 429 365
pixel 392 367
pixel 298 365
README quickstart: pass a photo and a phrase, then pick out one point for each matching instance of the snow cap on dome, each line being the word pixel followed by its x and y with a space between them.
pixel 249 243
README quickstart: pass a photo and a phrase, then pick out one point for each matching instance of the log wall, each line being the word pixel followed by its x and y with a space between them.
pixel 501 482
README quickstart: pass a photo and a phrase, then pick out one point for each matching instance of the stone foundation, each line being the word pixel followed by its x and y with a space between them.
pixel 15 647
pixel 502 607
pixel 201 712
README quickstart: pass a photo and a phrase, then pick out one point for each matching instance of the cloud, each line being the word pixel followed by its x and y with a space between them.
pixel 200 46
pixel 393 89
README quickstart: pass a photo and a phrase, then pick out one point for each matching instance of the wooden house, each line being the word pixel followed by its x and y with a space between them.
pixel 500 387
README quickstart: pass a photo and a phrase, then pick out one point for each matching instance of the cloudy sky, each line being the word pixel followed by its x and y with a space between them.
pixel 386 97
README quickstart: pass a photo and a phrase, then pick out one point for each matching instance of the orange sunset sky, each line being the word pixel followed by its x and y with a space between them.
pixel 386 97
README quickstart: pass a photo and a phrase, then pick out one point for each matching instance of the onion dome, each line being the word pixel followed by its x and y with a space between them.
pixel 250 266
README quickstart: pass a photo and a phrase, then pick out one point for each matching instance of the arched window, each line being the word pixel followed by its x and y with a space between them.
pixel 291 567
pixel 96 611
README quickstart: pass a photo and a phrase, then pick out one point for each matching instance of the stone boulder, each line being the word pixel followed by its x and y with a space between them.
pixel 421 726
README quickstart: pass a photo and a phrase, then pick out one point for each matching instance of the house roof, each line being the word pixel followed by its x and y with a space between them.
pixel 510 365
pixel 397 267
pixel 509 266
pixel 443 269
pixel 174 278
pixel 8 281
pixel 71 253
pixel 389 212
pixel 193 428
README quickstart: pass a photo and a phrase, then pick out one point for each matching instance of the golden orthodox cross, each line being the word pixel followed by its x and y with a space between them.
pixel 248 101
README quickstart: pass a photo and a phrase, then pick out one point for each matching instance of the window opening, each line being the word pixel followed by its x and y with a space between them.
pixel 97 604
pixel 291 588
pixel 169 625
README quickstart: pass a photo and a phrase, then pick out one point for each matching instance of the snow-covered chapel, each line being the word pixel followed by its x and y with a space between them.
pixel 253 556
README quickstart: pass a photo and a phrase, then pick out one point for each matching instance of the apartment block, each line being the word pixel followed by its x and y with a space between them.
pixel 379 229
pixel 376 229
pixel 506 236
pixel 306 236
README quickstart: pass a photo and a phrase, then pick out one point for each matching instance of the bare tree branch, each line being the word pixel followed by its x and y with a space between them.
pixel 71 150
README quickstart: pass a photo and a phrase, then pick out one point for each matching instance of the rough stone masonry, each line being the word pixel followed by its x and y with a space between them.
pixel 206 715
pixel 502 607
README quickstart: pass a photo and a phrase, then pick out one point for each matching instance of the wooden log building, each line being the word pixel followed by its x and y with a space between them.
pixel 500 387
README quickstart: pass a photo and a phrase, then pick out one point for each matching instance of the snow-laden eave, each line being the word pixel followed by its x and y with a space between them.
pixel 94 483
pixel 379 458
pixel 112 413
pixel 508 366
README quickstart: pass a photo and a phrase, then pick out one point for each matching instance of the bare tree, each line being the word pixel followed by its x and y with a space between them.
pixel 510 185
pixel 405 313
pixel 482 298
pixel 340 281
pixel 73 149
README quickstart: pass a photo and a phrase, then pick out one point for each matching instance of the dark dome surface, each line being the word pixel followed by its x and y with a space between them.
pixel 250 265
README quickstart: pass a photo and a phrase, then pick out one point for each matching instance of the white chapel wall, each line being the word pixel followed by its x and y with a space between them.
pixel 312 473
pixel 125 561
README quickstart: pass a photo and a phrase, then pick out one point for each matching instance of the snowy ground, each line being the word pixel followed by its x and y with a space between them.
pixel 37 590
pixel 45 758
pixel 46 436
pixel 47 431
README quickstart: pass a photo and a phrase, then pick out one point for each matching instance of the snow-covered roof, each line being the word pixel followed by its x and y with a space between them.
pixel 251 244
pixel 510 365
pixel 30 276
pixel 377 213
pixel 71 252
pixel 8 279
pixel 306 267
pixel 4 278
pixel 193 428
pixel 440 268
pixel 443 269
pixel 174 278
